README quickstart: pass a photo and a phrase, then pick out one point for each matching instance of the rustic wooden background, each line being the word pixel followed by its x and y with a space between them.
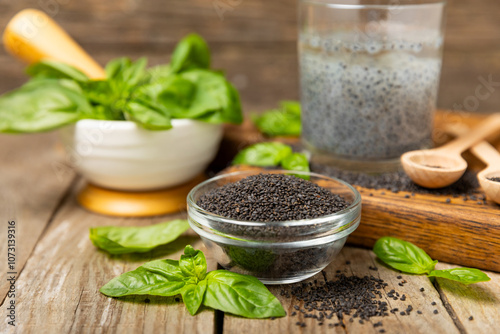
pixel 253 40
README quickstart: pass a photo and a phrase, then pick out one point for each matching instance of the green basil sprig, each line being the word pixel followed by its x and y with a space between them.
pixel 272 154
pixel 266 154
pixel 408 258
pixel 59 94
pixel 296 161
pixel 223 290
pixel 403 255
pixel 284 121
pixel 122 240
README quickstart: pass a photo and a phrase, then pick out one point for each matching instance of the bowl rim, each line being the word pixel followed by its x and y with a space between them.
pixel 338 216
pixel 88 123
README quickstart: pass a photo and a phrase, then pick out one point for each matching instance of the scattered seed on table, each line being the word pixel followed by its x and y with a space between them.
pixel 399 277
pixel 435 312
pixel 448 200
pixel 466 187
pixel 471 318
pixel 347 262
pixel 422 289
pixel 419 312
pixel 433 303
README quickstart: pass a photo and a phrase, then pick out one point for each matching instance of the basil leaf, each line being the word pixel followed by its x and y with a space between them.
pixel 172 94
pixel 126 71
pixel 168 268
pixel 121 240
pixel 213 99
pixel 42 105
pixel 298 162
pixel 56 70
pixel 462 275
pixel 280 122
pixel 403 255
pixel 263 154
pixel 142 282
pixel 291 107
pixel 192 296
pixel 240 295
pixel 193 263
pixel 159 72
pixel 147 116
pixel 191 52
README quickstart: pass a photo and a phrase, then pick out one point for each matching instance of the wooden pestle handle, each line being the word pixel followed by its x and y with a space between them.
pixel 483 150
pixel 31 35
pixel 486 128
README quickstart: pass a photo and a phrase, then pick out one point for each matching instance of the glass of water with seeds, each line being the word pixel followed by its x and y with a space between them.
pixel 369 76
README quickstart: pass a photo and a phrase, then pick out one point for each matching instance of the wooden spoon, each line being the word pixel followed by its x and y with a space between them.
pixel 491 157
pixel 442 166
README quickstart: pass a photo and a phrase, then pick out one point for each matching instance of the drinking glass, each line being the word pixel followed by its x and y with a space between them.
pixel 369 76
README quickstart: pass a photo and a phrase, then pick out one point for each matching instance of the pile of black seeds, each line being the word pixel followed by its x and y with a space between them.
pixel 271 197
pixel 347 298
pixel 494 179
pixel 467 187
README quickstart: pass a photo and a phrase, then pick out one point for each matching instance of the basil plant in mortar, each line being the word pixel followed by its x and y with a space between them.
pixel 138 129
pixel 59 94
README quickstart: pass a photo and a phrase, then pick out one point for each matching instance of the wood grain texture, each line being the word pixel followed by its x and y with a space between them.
pixel 480 301
pixel 58 290
pixel 30 193
pixel 360 261
pixel 443 229
pixel 254 41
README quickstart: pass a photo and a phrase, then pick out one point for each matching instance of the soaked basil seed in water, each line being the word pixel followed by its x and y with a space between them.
pixel 368 100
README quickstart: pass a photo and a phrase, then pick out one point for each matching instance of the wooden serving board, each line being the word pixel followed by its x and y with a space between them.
pixel 460 232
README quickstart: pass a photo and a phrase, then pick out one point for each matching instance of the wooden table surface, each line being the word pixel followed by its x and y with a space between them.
pixel 59 271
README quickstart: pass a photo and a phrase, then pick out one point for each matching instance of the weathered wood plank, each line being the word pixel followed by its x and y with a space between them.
pixel 480 301
pixel 360 260
pixel 58 290
pixel 31 190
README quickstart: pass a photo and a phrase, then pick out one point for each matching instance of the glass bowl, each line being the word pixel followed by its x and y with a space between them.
pixel 275 252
